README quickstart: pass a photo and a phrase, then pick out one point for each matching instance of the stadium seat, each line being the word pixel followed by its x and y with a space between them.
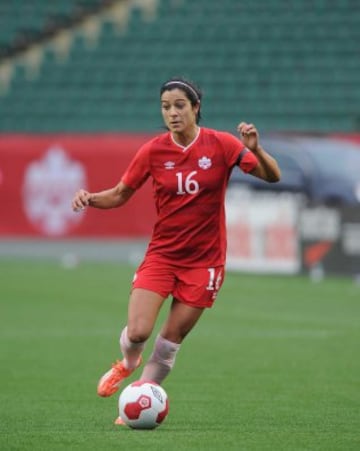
pixel 284 65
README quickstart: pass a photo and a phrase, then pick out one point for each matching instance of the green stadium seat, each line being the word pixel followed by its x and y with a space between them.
pixel 284 65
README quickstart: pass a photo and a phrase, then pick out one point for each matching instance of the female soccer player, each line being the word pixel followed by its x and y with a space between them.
pixel 190 168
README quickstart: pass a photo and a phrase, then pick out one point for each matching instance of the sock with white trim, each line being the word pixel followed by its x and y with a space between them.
pixel 130 350
pixel 161 361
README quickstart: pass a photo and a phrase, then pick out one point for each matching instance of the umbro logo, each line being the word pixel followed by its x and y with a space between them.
pixel 169 165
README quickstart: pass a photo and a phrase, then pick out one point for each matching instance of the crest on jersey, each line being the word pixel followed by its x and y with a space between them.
pixel 204 163
pixel 169 165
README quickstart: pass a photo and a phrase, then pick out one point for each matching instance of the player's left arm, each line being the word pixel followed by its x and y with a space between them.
pixel 267 168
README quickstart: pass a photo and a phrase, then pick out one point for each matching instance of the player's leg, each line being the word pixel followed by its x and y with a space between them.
pixel 195 290
pixel 144 306
pixel 182 318
pixel 179 323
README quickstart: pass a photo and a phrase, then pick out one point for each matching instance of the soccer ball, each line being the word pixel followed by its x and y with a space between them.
pixel 143 405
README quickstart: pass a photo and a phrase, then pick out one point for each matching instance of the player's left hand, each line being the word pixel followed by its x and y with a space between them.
pixel 249 135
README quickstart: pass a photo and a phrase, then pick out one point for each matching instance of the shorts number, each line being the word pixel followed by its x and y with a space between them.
pixel 214 281
pixel 190 186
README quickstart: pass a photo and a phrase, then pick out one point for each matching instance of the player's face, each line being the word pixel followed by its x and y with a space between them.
pixel 178 113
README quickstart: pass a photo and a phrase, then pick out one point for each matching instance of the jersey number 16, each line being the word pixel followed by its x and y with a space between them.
pixel 187 186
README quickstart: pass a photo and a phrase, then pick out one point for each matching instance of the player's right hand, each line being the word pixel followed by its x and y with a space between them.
pixel 81 200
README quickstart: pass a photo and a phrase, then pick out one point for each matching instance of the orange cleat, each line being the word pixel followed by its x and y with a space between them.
pixel 111 380
pixel 119 422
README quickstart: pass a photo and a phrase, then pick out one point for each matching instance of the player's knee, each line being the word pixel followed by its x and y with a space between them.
pixel 138 333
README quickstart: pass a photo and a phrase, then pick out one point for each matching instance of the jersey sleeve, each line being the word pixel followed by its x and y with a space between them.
pixel 247 161
pixel 139 168
pixel 237 154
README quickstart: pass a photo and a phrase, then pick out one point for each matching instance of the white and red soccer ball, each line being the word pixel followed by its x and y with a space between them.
pixel 143 405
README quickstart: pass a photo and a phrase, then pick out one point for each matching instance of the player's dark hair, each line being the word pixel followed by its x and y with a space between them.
pixel 192 92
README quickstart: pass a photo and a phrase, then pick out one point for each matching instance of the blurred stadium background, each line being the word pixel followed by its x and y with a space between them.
pixel 79 83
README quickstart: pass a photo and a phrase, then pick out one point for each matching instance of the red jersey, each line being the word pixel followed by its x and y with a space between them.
pixel 189 185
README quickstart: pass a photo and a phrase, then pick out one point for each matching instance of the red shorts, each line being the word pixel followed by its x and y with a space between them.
pixel 196 287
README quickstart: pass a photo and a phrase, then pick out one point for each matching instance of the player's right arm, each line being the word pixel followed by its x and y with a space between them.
pixel 134 177
pixel 110 198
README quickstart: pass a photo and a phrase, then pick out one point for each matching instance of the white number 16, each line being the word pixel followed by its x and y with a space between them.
pixel 191 186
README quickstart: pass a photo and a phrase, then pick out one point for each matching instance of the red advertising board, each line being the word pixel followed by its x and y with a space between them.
pixel 39 174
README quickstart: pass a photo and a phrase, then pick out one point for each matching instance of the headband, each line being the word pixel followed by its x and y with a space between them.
pixel 175 82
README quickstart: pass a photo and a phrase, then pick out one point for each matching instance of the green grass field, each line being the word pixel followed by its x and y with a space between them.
pixel 275 365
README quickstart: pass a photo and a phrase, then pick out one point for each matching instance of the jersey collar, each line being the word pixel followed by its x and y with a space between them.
pixel 185 148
